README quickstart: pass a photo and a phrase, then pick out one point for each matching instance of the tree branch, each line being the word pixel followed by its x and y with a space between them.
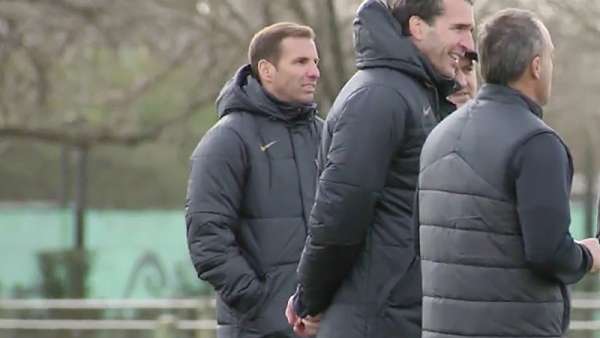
pixel 299 11
pixel 577 14
pixel 237 16
pixel 86 135
pixel 124 98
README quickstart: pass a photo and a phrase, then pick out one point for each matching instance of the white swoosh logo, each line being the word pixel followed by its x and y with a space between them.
pixel 267 146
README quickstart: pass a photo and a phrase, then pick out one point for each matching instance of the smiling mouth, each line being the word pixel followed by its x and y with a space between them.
pixel 456 56
pixel 459 97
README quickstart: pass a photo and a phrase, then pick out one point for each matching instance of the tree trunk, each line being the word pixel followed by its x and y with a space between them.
pixel 590 193
pixel 80 197
pixel 64 192
pixel 336 45
pixel 267 12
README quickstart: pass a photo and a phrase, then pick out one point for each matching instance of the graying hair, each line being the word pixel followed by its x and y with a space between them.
pixel 508 41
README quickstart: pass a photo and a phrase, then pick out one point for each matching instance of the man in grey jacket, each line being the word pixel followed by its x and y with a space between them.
pixel 360 267
pixel 252 183
pixel 493 200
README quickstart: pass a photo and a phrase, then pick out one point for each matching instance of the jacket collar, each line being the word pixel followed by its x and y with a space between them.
pixel 509 95
pixel 244 93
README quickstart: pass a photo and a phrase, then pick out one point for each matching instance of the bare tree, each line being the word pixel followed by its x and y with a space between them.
pixel 87 73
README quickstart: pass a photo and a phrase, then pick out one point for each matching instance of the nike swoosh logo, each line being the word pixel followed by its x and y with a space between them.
pixel 427 111
pixel 267 146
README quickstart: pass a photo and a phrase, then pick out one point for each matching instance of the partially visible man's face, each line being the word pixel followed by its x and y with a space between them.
pixel 449 37
pixel 296 73
pixel 545 88
pixel 466 76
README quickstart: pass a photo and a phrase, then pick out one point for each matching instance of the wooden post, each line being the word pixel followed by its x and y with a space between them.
pixel 166 326
pixel 81 197
pixel 205 311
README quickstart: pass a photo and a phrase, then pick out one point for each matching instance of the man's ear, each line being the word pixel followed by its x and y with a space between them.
pixel 535 67
pixel 265 70
pixel 417 27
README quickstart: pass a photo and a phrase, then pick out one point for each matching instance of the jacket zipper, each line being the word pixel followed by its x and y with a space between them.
pixel 289 128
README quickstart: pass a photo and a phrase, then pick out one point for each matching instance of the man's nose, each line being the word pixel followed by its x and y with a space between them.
pixel 460 78
pixel 313 71
pixel 467 41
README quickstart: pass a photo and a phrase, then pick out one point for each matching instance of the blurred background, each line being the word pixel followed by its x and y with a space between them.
pixel 102 103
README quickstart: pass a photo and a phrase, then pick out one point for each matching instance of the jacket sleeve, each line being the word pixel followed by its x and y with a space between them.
pixel 542 186
pixel 214 193
pixel 363 140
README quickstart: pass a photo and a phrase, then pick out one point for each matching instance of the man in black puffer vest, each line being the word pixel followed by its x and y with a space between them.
pixel 360 266
pixel 493 200
pixel 252 184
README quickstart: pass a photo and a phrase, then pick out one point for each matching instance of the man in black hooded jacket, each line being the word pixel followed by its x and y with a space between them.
pixel 360 266
pixel 252 183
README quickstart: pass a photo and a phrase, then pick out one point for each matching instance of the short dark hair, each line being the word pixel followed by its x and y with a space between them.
pixel 428 10
pixel 265 44
pixel 508 41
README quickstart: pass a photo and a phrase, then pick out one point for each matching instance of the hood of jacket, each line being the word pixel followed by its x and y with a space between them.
pixel 243 92
pixel 379 42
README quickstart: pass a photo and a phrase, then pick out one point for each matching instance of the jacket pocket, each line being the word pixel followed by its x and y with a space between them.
pixel 253 310
pixel 269 314
pixel 245 304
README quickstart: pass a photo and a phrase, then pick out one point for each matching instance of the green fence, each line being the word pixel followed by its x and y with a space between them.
pixel 135 254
